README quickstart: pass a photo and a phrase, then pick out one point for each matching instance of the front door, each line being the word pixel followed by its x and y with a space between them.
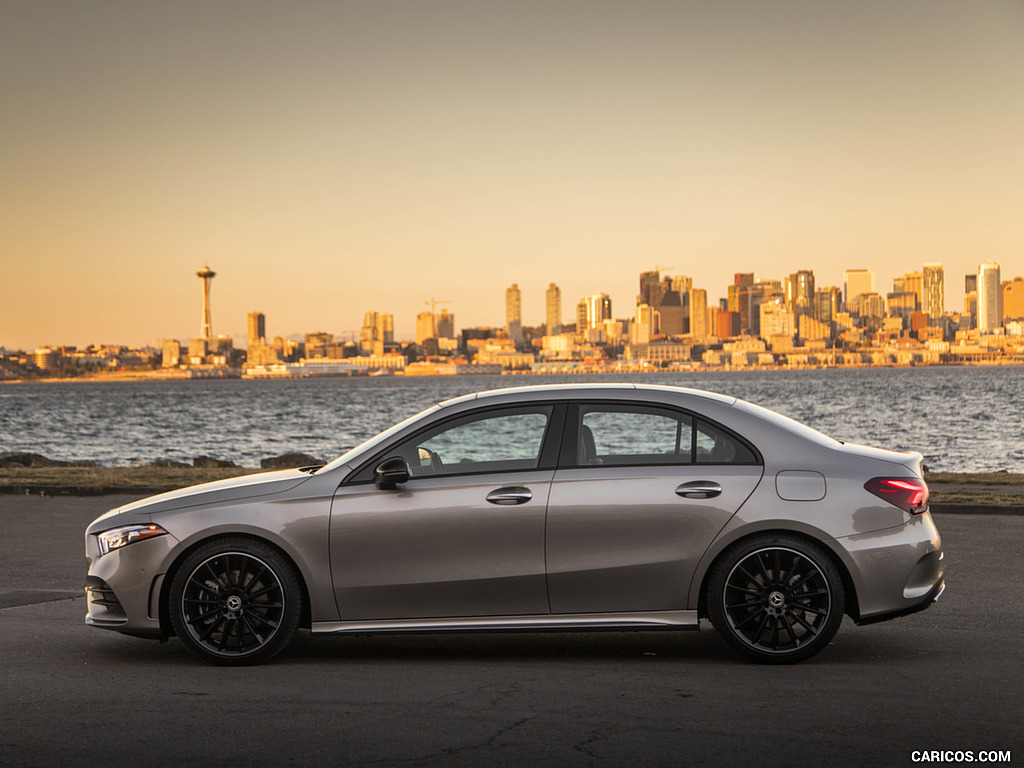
pixel 464 537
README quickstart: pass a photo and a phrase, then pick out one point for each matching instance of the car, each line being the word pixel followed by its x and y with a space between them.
pixel 558 507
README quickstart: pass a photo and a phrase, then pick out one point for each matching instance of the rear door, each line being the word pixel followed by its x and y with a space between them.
pixel 640 493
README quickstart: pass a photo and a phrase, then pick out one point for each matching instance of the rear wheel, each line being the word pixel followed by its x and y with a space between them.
pixel 235 601
pixel 776 599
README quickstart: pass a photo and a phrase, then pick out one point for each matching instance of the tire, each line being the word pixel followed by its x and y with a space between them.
pixel 235 601
pixel 776 598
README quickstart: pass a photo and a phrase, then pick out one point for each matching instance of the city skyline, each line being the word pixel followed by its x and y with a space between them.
pixel 330 159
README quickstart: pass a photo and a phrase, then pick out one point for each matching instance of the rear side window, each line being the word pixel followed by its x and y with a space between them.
pixel 626 434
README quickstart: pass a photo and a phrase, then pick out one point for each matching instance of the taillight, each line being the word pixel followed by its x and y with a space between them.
pixel 908 493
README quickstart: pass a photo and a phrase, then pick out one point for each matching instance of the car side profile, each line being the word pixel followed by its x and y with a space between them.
pixel 580 507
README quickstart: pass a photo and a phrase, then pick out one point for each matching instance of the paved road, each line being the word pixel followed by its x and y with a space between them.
pixel 946 679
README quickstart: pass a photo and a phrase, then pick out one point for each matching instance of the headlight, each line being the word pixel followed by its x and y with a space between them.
pixel 116 538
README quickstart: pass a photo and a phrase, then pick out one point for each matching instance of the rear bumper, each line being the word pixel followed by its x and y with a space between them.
pixel 931 597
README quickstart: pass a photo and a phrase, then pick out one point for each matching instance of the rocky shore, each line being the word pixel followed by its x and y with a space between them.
pixel 30 473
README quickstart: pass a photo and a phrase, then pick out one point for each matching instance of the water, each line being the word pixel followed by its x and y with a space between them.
pixel 962 419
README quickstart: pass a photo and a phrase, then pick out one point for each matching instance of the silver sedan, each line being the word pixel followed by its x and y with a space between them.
pixel 544 508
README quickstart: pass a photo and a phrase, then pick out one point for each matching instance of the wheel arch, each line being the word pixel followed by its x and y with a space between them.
pixel 166 627
pixel 722 548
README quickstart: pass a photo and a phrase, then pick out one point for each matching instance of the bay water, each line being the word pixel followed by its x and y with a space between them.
pixel 963 419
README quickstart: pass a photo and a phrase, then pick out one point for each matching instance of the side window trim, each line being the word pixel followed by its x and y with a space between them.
pixel 567 457
pixel 553 433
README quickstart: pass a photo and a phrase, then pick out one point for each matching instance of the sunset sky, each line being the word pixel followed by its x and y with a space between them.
pixel 328 158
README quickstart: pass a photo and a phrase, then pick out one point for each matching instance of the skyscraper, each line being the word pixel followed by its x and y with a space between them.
pixel 426 327
pixel 257 329
pixel 933 298
pixel 990 310
pixel 856 282
pixel 1013 299
pixel 446 325
pixel 599 309
pixel 699 314
pixel 514 312
pixel 553 309
pixel 800 292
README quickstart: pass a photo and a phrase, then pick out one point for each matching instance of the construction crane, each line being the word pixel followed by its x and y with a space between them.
pixel 434 302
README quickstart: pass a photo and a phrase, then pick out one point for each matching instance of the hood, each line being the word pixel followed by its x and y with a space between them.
pixel 233 489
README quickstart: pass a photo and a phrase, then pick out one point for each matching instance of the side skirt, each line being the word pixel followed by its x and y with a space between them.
pixel 576 622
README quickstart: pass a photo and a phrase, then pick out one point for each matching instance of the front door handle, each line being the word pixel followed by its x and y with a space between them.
pixel 511 495
pixel 699 489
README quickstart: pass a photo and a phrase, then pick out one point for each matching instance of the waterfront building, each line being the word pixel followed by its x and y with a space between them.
pixel 553 310
pixel 1013 300
pixel 990 315
pixel 933 300
pixel 171 353
pixel 856 282
pixel 317 344
pixel 514 313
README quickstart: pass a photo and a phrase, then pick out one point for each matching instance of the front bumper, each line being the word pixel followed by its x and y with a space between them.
pixel 122 588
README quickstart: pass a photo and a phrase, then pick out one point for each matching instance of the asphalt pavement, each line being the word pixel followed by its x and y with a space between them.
pixel 945 681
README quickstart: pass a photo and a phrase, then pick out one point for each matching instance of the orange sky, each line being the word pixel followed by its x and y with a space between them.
pixel 327 158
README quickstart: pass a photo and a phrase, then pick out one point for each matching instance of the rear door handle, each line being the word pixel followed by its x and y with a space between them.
pixel 508 496
pixel 699 489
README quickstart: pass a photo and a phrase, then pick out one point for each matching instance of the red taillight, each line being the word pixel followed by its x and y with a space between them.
pixel 908 493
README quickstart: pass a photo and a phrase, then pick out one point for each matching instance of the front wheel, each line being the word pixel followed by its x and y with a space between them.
pixel 235 602
pixel 776 599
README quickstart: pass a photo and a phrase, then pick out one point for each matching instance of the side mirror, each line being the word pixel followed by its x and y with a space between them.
pixel 390 473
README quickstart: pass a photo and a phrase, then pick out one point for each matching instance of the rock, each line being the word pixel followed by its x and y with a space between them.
pixel 169 464
pixel 208 462
pixel 8 460
pixel 291 461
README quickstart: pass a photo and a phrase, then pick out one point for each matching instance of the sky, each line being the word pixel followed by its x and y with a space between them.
pixel 330 158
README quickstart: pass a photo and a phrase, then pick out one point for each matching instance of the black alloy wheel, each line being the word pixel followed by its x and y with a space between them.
pixel 777 599
pixel 235 601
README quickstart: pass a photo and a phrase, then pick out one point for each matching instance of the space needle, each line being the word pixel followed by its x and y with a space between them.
pixel 206 275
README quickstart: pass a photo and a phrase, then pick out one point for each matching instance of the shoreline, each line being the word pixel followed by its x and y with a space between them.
pixel 228 374
pixel 993 493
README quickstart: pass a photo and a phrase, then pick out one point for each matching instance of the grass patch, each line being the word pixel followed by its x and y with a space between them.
pixel 98 478
pixel 974 478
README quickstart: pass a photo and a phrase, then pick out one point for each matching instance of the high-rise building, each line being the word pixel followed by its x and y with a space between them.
pixel 599 309
pixel 990 310
pixel 912 283
pixel 828 302
pixel 856 282
pixel 1013 300
pixel 698 314
pixel 651 289
pixel 933 297
pixel 800 292
pixel 446 325
pixel 553 309
pixel 514 312
pixel 673 321
pixel 426 327
pixel 256 329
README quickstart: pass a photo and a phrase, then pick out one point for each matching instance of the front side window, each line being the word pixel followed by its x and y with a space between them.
pixel 495 441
